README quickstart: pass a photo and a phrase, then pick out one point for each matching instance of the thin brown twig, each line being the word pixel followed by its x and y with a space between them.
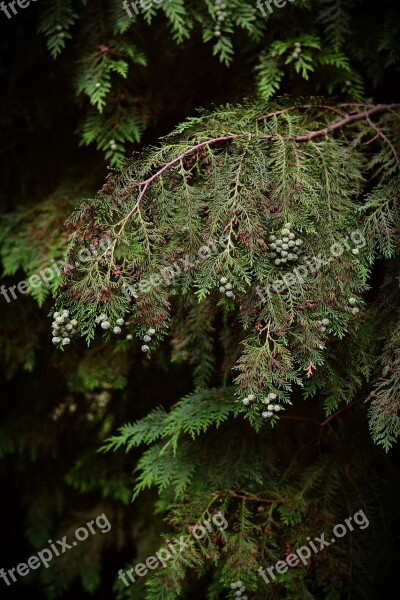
pixel 321 424
pixel 144 184
pixel 347 120
pixel 380 133
pixel 190 151
pixel 338 412
pixel 249 498
pixel 371 140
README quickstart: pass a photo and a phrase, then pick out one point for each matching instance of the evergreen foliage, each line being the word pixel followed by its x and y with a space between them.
pixel 203 184
pixel 238 176
pixel 329 50
pixel 194 388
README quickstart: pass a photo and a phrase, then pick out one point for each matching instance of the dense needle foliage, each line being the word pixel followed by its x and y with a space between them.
pixel 232 285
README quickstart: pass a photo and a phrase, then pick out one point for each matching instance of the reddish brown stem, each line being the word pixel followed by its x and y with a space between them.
pixel 249 498
pixel 326 421
pixel 338 412
pixel 302 138
pixel 346 121
pixel 189 151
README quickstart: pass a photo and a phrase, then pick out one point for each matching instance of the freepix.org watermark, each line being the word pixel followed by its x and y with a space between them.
pixel 8 8
pixel 136 5
pixel 165 554
pixel 167 275
pixel 303 553
pixel 59 547
pixel 270 4
pixel 45 276
pixel 311 265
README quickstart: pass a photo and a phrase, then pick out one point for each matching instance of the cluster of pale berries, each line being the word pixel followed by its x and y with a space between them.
pixel 297 50
pixel 105 324
pixel 239 587
pixel 354 310
pixel 63 328
pixel 147 339
pixel 323 324
pixel 220 7
pixel 226 288
pixel 286 247
pixel 60 33
pixel 113 145
pixel 271 408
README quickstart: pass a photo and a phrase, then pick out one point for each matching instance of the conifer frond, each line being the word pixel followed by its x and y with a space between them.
pixel 384 412
pixel 197 214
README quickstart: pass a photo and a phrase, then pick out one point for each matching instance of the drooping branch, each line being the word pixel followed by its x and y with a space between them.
pixel 343 122
pixel 144 184
pixel 365 115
